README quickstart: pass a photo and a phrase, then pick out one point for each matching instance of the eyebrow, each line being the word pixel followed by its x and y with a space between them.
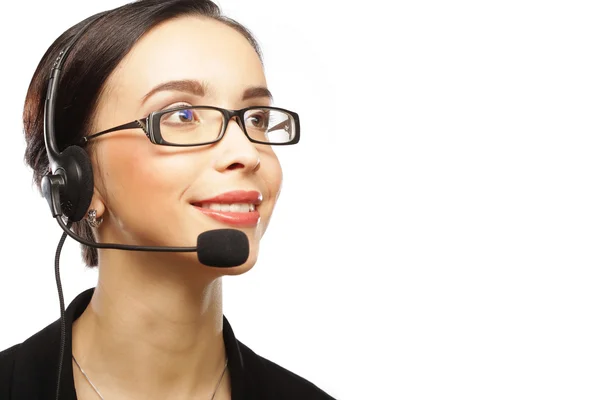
pixel 257 91
pixel 198 88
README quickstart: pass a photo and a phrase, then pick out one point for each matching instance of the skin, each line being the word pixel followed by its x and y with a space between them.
pixel 153 329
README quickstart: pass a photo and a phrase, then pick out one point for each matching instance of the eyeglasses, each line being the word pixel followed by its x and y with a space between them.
pixel 201 125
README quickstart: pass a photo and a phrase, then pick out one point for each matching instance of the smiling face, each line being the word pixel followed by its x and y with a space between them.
pixel 160 195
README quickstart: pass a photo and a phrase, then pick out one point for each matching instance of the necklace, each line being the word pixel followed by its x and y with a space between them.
pixel 99 395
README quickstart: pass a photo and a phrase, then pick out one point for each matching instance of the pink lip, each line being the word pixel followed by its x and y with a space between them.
pixel 235 196
pixel 238 219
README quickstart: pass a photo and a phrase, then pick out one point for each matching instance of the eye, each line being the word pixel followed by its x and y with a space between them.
pixel 182 116
pixel 258 119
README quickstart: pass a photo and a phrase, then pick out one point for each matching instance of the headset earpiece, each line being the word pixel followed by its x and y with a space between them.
pixel 77 192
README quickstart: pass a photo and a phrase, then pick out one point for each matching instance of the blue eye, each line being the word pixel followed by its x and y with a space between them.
pixel 185 115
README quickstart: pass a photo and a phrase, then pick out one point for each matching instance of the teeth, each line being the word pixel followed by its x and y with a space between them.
pixel 235 207
pixel 239 207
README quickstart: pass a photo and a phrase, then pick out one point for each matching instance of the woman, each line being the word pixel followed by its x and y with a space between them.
pixel 148 91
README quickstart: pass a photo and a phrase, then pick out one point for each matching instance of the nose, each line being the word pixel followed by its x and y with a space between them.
pixel 236 150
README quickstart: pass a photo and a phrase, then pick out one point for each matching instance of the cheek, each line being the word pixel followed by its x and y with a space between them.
pixel 272 176
pixel 144 182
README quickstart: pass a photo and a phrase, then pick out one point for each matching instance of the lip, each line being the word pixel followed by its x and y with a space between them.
pixel 235 196
pixel 237 219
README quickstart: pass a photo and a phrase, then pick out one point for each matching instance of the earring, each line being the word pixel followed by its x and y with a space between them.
pixel 92 221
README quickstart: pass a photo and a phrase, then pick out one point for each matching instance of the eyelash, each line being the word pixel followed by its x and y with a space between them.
pixel 175 105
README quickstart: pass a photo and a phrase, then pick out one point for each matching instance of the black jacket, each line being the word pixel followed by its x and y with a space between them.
pixel 29 370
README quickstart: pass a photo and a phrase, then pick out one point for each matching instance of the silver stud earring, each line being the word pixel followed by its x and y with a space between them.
pixel 92 220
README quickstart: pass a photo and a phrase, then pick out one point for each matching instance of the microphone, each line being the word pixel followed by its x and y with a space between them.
pixel 221 248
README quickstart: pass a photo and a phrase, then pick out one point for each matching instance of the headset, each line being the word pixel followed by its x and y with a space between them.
pixel 69 187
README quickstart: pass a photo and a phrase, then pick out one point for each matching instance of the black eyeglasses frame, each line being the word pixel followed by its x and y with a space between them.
pixel 149 123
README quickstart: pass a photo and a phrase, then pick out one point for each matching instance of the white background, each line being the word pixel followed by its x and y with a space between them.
pixel 438 232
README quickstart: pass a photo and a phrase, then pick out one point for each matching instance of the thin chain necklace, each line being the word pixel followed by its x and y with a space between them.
pixel 99 395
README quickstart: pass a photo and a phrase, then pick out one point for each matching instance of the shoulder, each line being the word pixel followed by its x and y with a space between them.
pixel 7 357
pixel 27 369
pixel 7 366
pixel 277 382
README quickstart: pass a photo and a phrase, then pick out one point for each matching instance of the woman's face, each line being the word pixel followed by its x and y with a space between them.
pixel 160 195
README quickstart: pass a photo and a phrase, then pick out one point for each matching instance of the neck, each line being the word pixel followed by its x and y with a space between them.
pixel 152 329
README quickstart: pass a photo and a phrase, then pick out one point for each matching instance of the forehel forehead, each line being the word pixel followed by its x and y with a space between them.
pixel 190 47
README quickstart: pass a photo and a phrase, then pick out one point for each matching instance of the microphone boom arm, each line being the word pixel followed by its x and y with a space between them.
pixel 122 246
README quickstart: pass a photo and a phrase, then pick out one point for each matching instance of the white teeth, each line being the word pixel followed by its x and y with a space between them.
pixel 240 207
pixel 235 207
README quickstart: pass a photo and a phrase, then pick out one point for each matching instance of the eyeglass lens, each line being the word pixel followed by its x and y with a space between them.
pixel 196 125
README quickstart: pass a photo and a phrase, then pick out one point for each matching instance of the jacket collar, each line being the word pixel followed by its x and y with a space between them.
pixel 36 363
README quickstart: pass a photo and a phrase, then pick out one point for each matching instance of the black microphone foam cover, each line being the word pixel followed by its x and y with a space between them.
pixel 223 248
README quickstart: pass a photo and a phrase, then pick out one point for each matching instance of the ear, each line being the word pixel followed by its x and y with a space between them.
pixel 98 203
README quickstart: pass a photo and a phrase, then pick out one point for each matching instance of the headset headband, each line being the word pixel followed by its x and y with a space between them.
pixel 69 186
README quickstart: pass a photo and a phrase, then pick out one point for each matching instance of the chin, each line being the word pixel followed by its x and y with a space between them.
pixel 192 263
pixel 233 271
pixel 253 233
pixel 241 269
